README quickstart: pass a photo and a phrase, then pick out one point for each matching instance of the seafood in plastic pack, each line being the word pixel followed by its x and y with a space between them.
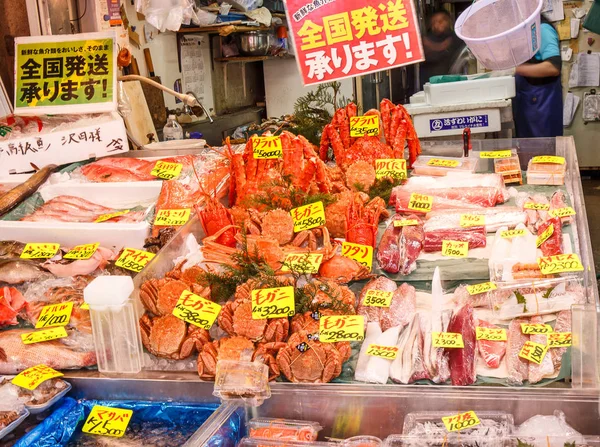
pixel 441 166
pixel 42 397
pixel 12 410
pixel 242 381
pixel 546 173
pixel 283 429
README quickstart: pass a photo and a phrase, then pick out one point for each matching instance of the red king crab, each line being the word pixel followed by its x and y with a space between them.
pixel 213 217
pixel 362 221
pixel 170 337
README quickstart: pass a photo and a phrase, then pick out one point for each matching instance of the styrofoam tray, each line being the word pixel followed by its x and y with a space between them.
pixel 14 424
pixel 35 409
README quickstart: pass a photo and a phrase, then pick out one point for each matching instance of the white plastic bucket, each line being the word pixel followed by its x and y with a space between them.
pixel 501 34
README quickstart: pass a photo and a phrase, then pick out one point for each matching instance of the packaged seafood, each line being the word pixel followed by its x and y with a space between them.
pixel 251 442
pixel 430 166
pixel 362 441
pixel 548 431
pixel 546 173
pixel 283 429
pixel 12 410
pixel 509 169
pixel 43 397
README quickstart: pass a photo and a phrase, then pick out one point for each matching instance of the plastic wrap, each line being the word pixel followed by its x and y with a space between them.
pixel 448 199
pixel 401 309
pixel 462 361
pixel 167 15
pixel 42 397
pixel 283 429
pixel 400 246
pixel 123 103
pixel 495 218
pixel 475 236
pixel 548 431
pixel 12 410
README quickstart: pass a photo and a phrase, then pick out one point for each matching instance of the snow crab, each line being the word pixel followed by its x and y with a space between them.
pixel 170 337
pixel 362 221
pixel 342 270
pixel 215 216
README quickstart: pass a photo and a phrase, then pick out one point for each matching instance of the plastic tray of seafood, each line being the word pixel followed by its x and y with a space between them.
pixel 15 419
pixel 43 397
pixel 441 166
pixel 283 429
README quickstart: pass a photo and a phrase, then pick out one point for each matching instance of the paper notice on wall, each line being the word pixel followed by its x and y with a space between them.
pixel 586 71
pixel 569 108
pixel 575 28
pixel 192 65
pixel 556 13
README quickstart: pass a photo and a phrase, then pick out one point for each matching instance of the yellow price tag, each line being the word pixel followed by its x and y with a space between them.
pixel 107 421
pixel 166 170
pixel 406 222
pixel 45 335
pixel 420 202
pixel 85 306
pixel 545 235
pixel 472 220
pixel 443 163
pixel 196 310
pixel 33 377
pixel 562 212
pixel 559 339
pixel 509 234
pixel 277 302
pixel 492 334
pixel 40 250
pixel 536 328
pixel 447 340
pixel 341 328
pixel 537 206
pixel 267 147
pixel 496 154
pixel 105 217
pixel 385 352
pixel 548 159
pixel 360 253
pixel 534 352
pixel 378 298
pixel 134 259
pixel 308 216
pixel 550 265
pixel 390 168
pixel 174 218
pixel 55 315
pixel 85 251
pixel 302 262
pixel 461 421
pixel 455 249
pixel 476 289
pixel 363 126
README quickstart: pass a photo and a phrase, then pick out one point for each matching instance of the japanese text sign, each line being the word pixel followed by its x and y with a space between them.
pixel 443 163
pixel 85 251
pixel 267 147
pixel 545 235
pixel 559 339
pixel 341 328
pixel 196 310
pixel 33 377
pixel 406 222
pixel 277 302
pixel 109 216
pixel 447 340
pixel 174 218
pixel 65 74
pixel 308 216
pixel 390 167
pixel 363 126
pixel 537 206
pixel 302 262
pixel 385 352
pixel 562 212
pixel 420 202
pixel 362 254
pixel 535 328
pixel 455 249
pixel 378 298
pixel 461 421
pixel 509 234
pixel 107 421
pixel 45 335
pixel 55 315
pixel 166 170
pixel 560 264
pixel 548 159
pixel 492 334
pixel 534 352
pixel 496 154
pixel 341 39
pixel 133 259
pixel 483 287
pixel 39 250
pixel 472 220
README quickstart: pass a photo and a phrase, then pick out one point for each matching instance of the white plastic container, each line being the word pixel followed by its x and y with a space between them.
pixel 501 34
pixel 474 91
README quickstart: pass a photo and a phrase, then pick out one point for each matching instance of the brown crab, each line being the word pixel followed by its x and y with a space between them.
pixel 343 270
pixel 170 337
pixel 227 348
pixel 309 323
pixel 189 275
pixel 325 292
pixel 160 296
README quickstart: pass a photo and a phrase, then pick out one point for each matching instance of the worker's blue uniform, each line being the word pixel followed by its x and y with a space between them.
pixel 538 106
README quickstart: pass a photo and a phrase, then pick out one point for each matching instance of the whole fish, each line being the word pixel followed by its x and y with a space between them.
pixel 18 271
pixel 11 249
pixel 20 192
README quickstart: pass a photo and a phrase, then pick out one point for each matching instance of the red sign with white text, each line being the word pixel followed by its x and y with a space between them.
pixel 336 39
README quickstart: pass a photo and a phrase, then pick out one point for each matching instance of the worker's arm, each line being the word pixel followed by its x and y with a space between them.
pixel 542 70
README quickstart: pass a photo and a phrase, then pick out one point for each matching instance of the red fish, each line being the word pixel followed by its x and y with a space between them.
pixel 11 302
pixel 491 351
pixel 462 361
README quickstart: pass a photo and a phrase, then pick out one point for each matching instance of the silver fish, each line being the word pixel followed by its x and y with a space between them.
pixel 18 271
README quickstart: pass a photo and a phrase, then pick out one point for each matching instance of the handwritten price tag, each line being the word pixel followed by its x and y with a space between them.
pixel 559 339
pixel 420 202
pixel 267 147
pixel 166 170
pixel 496 154
pixel 443 163
pixel 172 217
pixel 358 252
pixel 535 328
pixel 492 334
pixel 390 168
pixel 378 298
pixel 105 217
pixel 562 212
pixel 133 259
pixel 548 159
pixel 405 222
pixel 45 335
pixel 545 235
pixel 534 352
pixel 107 421
pixel 447 340
pixel 55 315
pixel 302 262
pixel 509 234
pixel 455 249
pixel 385 352
pixel 85 306
pixel 472 220
pixel 560 264
pixel 362 126
pixel 461 421
pixel 196 310
pixel 308 216
pixel 341 328
pixel 476 289
pixel 277 302
pixel 537 206
pixel 85 251
pixel 33 377
pixel 39 250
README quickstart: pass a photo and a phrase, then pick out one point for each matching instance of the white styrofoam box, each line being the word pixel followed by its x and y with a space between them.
pixel 418 98
pixel 453 123
pixel 477 90
pixel 61 147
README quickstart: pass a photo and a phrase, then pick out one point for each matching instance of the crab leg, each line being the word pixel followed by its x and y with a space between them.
pixel 239 176
pixel 339 150
pixel 325 142
pixel 386 107
pixel 351 110
pixel 342 124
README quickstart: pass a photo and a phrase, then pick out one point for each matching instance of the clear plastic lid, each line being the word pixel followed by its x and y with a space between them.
pixel 242 381
pixel 283 429
pixel 507 165
pixel 440 166
pixel 256 442
pixel 546 168
pixel 362 441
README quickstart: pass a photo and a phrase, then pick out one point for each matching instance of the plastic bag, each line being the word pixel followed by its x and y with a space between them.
pixel 543 427
pixel 167 14
pixel 124 105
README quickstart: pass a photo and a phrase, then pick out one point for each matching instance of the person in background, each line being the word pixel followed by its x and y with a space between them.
pixel 441 46
pixel 538 105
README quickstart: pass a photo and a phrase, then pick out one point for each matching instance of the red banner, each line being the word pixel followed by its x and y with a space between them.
pixel 336 39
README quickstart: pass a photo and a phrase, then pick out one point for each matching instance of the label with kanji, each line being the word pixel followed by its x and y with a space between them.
pixel 105 217
pixel 39 250
pixel 364 126
pixel 560 264
pixel 196 310
pixel 496 154
pixel 509 234
pixel 308 216
pixel 107 421
pixel 45 335
pixel 461 421
pixel 385 352
pixel 133 259
pixel 390 168
pixel 472 220
pixel 55 315
pixel 483 287
pixel 173 218
pixel 33 377
pixel 447 340
pixel 492 334
pixel 336 328
pixel 406 222
pixel 545 235
pixel 443 163
pixel 166 170
pixel 559 339
pixel 562 212
pixel 85 251
pixel 537 206
pixel 277 302
pixel 266 147
pixel 420 202
pixel 536 328
pixel 360 253
pixel 378 298
pixel 548 159
pixel 534 352
pixel 302 262
pixel 455 249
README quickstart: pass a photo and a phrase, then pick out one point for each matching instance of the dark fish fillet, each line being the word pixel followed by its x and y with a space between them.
pixel 388 251
pixel 475 236
pixel 411 244
pixel 462 361
pixel 553 245
pixel 491 351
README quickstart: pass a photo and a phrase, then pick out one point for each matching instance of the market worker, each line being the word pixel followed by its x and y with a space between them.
pixel 538 105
